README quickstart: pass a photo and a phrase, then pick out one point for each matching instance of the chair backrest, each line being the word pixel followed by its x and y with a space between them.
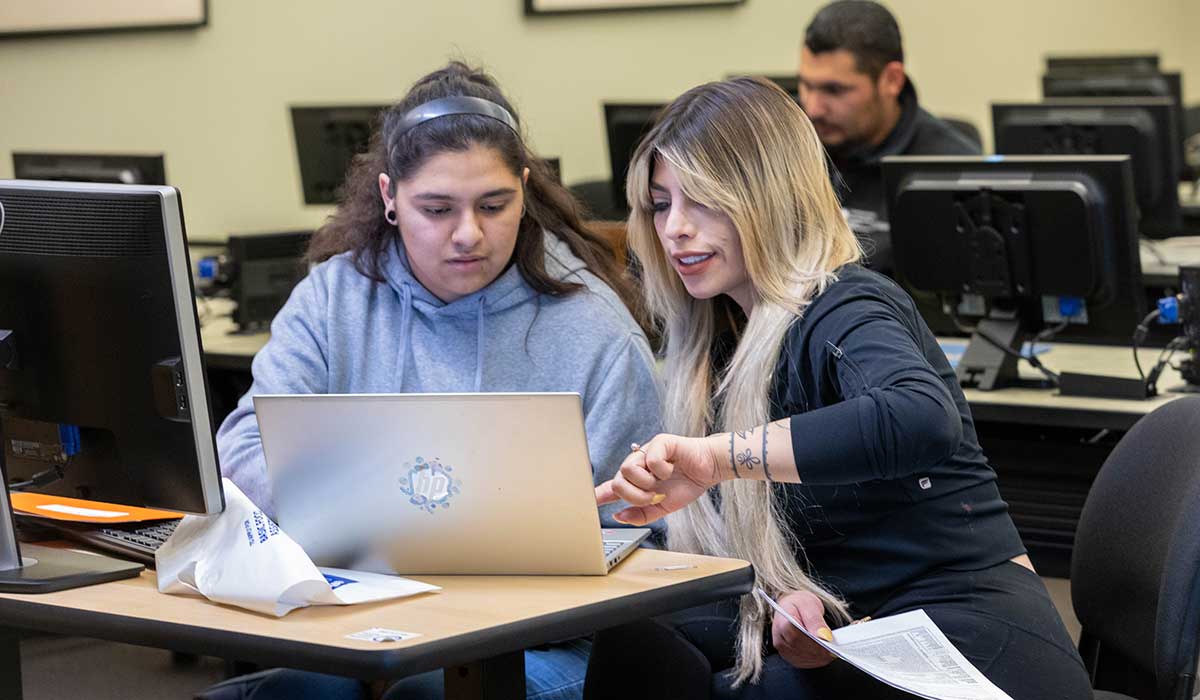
pixel 597 197
pixel 1191 138
pixel 613 233
pixel 1135 570
pixel 1191 121
pixel 965 128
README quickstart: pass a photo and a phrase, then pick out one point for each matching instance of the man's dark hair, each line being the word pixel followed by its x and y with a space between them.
pixel 865 29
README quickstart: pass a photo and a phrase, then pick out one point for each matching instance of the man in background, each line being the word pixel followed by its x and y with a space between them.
pixel 854 89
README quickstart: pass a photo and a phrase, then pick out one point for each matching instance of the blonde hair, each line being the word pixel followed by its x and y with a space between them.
pixel 742 147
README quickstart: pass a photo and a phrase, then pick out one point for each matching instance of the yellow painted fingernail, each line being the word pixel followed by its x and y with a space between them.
pixel 658 498
pixel 825 634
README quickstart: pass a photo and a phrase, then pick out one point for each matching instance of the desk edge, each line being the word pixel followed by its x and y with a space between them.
pixel 369 664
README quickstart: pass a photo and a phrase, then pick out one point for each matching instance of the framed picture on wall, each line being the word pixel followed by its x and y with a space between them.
pixel 21 18
pixel 551 7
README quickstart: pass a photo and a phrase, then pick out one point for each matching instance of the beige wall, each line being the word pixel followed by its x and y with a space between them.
pixel 1189 28
pixel 214 100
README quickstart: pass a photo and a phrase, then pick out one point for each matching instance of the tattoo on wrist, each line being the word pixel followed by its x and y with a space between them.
pixel 766 469
pixel 743 457
pixel 733 457
pixel 747 459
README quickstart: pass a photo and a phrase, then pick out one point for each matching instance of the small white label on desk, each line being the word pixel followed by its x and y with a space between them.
pixel 84 512
pixel 382 634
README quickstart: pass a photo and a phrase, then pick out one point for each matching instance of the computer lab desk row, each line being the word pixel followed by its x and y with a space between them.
pixel 224 350
pixel 1046 448
pixel 475 627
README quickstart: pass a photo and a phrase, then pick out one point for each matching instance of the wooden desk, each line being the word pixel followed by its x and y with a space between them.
pixel 1161 259
pixel 475 622
pixel 224 349
pixel 1046 407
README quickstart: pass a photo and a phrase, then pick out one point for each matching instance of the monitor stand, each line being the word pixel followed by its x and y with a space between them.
pixel 33 568
pixel 983 365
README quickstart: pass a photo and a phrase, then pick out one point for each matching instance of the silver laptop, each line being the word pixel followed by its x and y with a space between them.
pixel 438 483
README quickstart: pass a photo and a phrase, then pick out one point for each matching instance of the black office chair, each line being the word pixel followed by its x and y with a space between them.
pixel 597 196
pixel 1135 570
pixel 1191 135
pixel 965 128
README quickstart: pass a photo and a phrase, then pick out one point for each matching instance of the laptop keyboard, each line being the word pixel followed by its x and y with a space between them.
pixel 611 546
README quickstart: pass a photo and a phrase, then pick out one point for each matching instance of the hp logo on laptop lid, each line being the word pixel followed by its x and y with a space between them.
pixel 429 485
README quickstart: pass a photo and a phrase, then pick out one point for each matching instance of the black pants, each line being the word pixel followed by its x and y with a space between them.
pixel 1001 619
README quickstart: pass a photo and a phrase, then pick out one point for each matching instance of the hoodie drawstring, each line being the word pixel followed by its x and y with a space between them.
pixel 481 341
pixel 405 333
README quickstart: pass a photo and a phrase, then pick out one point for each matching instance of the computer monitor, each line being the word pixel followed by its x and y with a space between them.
pixel 1143 127
pixel 265 268
pixel 790 82
pixel 1115 84
pixel 625 124
pixel 1014 246
pixel 100 358
pixel 1117 63
pixel 121 169
pixel 1121 82
pixel 327 139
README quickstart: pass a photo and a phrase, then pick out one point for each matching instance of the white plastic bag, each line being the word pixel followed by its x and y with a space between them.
pixel 240 557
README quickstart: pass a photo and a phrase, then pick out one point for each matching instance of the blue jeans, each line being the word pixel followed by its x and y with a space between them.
pixel 552 672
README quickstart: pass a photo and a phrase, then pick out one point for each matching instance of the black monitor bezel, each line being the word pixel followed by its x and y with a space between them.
pixel 174 255
pixel 1112 63
pixel 1172 82
pixel 1165 220
pixel 282 248
pixel 35 165
pixel 305 142
pixel 1115 174
pixel 618 159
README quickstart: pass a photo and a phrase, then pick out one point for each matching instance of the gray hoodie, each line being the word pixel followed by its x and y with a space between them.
pixel 340 333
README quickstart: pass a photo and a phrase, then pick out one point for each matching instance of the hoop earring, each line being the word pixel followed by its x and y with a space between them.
pixel 390 215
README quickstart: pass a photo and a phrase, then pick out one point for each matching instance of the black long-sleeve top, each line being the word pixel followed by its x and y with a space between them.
pixel 894 483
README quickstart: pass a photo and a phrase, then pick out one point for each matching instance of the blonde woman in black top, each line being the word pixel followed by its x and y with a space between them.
pixel 815 427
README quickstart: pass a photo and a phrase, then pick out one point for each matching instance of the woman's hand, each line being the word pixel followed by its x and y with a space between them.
pixel 792 644
pixel 661 477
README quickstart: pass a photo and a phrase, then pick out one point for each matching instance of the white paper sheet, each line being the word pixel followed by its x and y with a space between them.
pixel 906 651
pixel 240 557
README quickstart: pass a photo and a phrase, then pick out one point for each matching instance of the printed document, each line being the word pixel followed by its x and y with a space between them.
pixel 906 651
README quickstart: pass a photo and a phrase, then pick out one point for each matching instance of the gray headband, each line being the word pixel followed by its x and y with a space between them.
pixel 448 106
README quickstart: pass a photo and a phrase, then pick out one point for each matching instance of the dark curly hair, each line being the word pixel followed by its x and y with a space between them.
pixel 358 224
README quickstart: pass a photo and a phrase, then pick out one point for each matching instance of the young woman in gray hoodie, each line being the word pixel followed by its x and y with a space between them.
pixel 455 263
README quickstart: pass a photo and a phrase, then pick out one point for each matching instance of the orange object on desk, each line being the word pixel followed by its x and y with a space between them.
pixel 83 511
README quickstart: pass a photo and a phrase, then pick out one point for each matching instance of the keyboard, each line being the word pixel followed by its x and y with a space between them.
pixel 136 541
